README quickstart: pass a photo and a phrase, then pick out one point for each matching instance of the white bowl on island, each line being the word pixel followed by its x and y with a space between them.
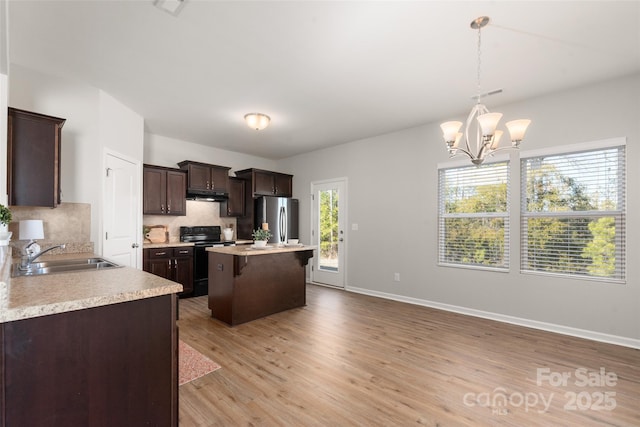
pixel 259 243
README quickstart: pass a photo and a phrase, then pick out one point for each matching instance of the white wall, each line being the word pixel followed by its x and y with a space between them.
pixel 4 99
pixel 163 151
pixel 4 94
pixel 393 192
pixel 121 129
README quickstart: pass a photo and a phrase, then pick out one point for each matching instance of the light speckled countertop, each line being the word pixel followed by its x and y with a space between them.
pixel 165 245
pixel 35 296
pixel 249 250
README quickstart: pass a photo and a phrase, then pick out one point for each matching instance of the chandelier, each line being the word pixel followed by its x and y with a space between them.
pixel 487 137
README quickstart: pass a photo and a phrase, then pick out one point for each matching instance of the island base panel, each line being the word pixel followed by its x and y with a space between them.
pixel 245 288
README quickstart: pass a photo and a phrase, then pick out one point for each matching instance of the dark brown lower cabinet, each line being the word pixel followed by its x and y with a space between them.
pixel 114 365
pixel 172 263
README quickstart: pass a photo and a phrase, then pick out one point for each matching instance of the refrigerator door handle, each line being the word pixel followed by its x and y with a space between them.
pixel 283 224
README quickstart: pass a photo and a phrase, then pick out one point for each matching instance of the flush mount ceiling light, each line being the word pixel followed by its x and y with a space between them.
pixel 257 121
pixel 487 137
pixel 171 6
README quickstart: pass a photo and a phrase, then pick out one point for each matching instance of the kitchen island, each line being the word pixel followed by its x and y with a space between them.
pixel 87 348
pixel 247 283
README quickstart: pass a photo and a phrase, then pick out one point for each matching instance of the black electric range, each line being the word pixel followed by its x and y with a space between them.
pixel 202 237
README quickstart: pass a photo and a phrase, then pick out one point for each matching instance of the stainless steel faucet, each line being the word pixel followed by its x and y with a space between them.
pixel 28 257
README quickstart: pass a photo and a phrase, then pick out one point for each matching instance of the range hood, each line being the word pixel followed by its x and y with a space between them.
pixel 208 197
pixel 206 182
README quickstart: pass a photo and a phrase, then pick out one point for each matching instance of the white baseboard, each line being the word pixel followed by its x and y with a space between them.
pixel 550 327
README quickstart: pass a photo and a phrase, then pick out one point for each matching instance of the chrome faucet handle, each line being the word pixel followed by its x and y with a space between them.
pixel 31 248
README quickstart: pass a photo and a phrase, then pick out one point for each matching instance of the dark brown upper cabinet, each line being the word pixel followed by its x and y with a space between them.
pixel 268 183
pixel 235 205
pixel 206 180
pixel 33 158
pixel 164 191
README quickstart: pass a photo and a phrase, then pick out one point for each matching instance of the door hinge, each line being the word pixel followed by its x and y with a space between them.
pixel 108 169
pixel 106 235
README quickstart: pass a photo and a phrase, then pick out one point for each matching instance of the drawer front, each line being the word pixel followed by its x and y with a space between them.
pixel 160 253
pixel 183 252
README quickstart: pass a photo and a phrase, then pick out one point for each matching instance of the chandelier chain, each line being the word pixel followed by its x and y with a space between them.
pixel 478 72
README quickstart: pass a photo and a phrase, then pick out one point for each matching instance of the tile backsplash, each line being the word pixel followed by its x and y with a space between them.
pixel 69 223
pixel 198 213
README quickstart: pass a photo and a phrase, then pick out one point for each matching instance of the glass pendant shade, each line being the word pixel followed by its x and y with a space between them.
pixel 489 122
pixel 450 130
pixel 517 129
pixel 458 138
pixel 496 139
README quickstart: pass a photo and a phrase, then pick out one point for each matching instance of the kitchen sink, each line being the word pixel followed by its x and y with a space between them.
pixel 63 266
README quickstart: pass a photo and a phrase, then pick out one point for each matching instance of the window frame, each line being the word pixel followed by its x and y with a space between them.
pixel 620 215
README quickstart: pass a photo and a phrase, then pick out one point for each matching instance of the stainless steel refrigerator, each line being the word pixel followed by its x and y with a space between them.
pixel 281 213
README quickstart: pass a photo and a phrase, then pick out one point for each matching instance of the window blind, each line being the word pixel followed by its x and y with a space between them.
pixel 474 216
pixel 573 214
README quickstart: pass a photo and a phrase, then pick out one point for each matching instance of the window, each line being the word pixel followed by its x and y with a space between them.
pixel 573 212
pixel 474 216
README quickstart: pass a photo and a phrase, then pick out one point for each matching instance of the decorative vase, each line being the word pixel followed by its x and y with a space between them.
pixel 259 243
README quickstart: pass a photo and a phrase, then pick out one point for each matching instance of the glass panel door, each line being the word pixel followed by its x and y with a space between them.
pixel 329 201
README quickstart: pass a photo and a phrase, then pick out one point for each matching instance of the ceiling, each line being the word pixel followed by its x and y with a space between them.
pixel 327 72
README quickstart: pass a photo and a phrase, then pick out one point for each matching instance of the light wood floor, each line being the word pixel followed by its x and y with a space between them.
pixel 349 359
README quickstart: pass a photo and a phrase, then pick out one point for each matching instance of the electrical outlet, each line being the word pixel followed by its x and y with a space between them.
pixel 396 277
pixel 354 227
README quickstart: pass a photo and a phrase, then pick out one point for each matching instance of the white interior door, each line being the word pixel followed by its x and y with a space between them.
pixel 329 201
pixel 121 223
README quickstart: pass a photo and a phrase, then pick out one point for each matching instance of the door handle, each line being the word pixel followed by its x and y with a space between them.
pixel 341 240
pixel 135 245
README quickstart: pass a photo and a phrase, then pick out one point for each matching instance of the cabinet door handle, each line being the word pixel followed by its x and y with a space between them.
pixel 162 207
pixel 183 252
pixel 207 185
pixel 160 253
pixel 168 208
